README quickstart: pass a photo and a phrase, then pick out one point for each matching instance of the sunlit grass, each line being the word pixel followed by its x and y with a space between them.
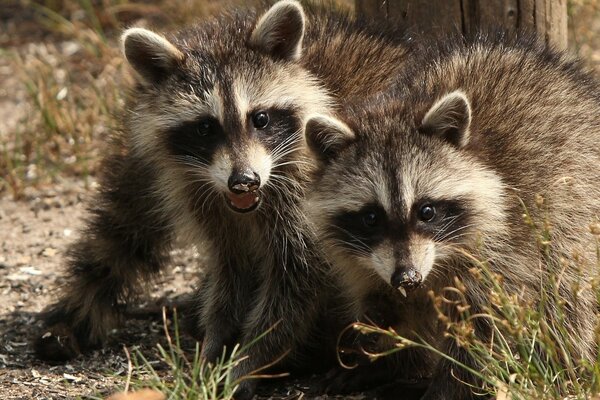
pixel 529 355
pixel 182 374
pixel 75 80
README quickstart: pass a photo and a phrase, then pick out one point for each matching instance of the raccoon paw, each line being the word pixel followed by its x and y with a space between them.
pixel 245 390
pixel 58 344
pixel 341 381
pixel 375 381
pixel 451 391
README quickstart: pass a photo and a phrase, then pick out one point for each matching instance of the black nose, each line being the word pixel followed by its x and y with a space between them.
pixel 243 181
pixel 407 277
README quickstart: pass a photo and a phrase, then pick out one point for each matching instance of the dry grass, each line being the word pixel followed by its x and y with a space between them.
pixel 62 86
pixel 63 57
pixel 529 356
pixel 60 59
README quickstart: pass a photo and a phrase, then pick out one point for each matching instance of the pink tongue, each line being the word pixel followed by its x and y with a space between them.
pixel 242 201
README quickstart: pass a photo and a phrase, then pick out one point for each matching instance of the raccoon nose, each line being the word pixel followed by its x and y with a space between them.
pixel 243 181
pixel 406 277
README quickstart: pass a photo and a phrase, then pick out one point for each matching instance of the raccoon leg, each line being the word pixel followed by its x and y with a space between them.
pixel 284 316
pixel 223 303
pixel 451 381
pixel 193 319
pixel 125 242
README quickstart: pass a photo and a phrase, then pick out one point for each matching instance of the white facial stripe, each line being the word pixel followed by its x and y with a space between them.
pixel 282 90
pixel 260 161
pixel 241 99
pixel 382 193
pixel 408 190
pixel 462 179
pixel 214 103
pixel 382 260
pixel 220 170
pixel 422 255
pixel 151 119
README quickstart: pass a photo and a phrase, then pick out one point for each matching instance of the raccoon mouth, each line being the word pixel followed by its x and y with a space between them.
pixel 244 202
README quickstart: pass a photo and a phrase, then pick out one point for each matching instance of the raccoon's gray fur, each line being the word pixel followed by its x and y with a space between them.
pixel 443 167
pixel 218 112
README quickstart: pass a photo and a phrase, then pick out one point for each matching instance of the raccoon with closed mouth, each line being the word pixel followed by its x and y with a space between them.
pixel 213 151
pixel 415 183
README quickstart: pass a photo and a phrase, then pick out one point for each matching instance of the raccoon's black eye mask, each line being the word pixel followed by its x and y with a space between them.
pixel 195 138
pixel 440 218
pixel 361 229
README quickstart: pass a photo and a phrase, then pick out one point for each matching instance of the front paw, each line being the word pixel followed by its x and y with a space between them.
pixel 451 391
pixel 342 381
pixel 57 343
pixel 245 390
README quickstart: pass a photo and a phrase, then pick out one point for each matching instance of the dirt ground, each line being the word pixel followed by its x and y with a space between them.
pixel 34 234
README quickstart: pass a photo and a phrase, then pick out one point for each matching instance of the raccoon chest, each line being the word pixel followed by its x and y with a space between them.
pixel 246 249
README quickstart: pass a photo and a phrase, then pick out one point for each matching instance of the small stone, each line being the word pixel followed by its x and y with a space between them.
pixel 49 252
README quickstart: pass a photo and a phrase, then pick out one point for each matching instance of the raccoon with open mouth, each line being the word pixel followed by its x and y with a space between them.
pixel 213 151
pixel 415 184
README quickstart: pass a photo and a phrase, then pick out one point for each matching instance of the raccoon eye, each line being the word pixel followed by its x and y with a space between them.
pixel 206 127
pixel 427 213
pixel 370 219
pixel 260 120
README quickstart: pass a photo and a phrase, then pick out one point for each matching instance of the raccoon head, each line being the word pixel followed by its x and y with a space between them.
pixel 223 103
pixel 400 192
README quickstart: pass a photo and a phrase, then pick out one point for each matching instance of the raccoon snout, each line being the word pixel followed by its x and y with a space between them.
pixel 406 278
pixel 243 182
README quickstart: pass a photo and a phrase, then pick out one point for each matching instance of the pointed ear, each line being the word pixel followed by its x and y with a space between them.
pixel 152 56
pixel 449 118
pixel 279 32
pixel 326 135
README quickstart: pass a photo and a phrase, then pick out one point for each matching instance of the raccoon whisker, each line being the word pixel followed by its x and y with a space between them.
pixel 195 167
pixel 287 183
pixel 211 194
pixel 295 135
pixel 283 148
pixel 293 162
pixel 448 221
pixel 353 248
pixel 284 152
pixel 191 161
pixel 446 235
pixel 204 191
pixel 366 249
pixel 289 142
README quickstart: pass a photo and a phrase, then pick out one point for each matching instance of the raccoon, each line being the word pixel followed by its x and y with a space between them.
pixel 213 151
pixel 415 183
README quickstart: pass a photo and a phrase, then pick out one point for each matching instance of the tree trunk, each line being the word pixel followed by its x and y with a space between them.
pixel 546 17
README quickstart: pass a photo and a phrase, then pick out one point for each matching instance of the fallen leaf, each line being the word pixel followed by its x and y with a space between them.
pixel 49 252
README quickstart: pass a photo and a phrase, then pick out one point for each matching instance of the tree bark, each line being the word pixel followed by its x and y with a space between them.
pixel 548 18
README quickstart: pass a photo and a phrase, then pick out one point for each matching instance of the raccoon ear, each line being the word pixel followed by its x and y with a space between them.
pixel 279 32
pixel 450 118
pixel 326 135
pixel 152 56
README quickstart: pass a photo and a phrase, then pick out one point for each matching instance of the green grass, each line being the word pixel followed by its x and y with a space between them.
pixel 72 102
pixel 188 377
pixel 182 374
